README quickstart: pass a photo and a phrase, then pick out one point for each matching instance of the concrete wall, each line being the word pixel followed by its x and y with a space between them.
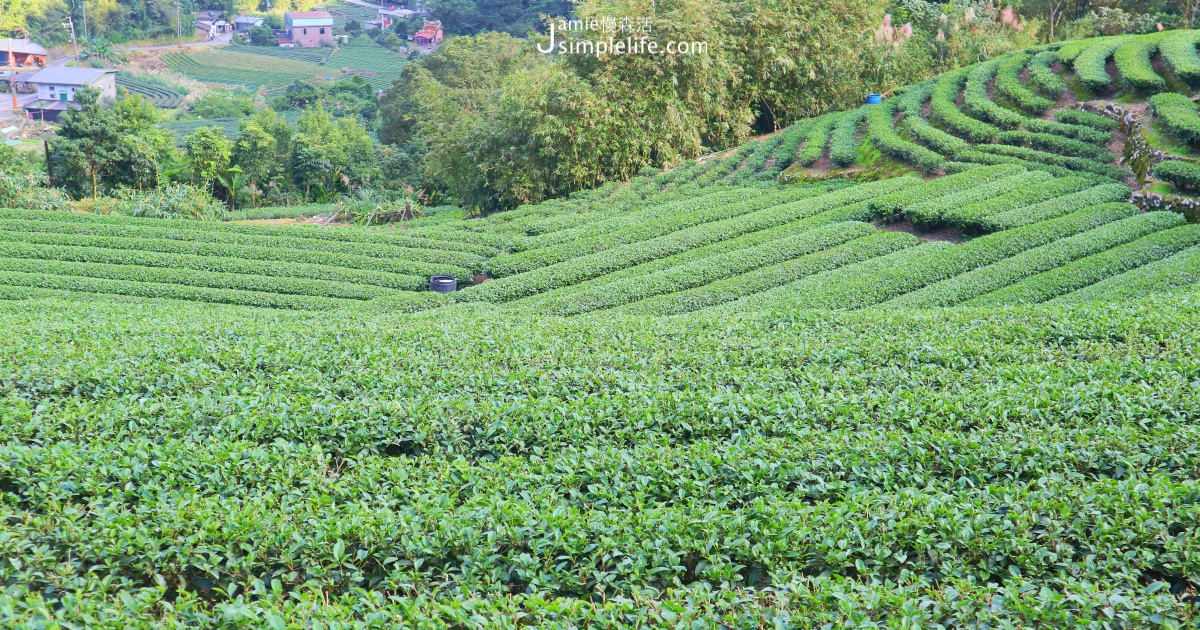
pixel 52 92
pixel 311 36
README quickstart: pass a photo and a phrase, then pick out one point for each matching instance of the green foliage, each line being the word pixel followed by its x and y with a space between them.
pixel 945 92
pixel 1055 144
pixel 843 143
pixel 936 210
pixel 1073 163
pixel 1133 61
pixel 1104 193
pixel 1179 271
pixel 893 205
pixel 1008 84
pixel 1042 76
pixel 99 148
pixel 976 101
pixel 1179 114
pixel 817 139
pixel 170 201
pixel 1179 173
pixel 223 104
pixel 970 216
pixel 208 153
pixel 1094 268
pixel 261 35
pixel 158 92
pixel 1179 51
pixel 882 134
pixel 239 68
pixel 1125 226
pixel 1087 119
pixel 1090 63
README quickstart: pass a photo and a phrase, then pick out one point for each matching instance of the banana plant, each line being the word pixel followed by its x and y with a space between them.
pixel 232 180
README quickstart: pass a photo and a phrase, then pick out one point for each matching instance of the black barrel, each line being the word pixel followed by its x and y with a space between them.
pixel 443 284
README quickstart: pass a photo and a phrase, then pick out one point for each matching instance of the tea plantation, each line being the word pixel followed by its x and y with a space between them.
pixel 739 393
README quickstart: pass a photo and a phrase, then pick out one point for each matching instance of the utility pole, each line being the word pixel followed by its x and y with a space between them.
pixel 71 25
pixel 12 75
pixel 178 26
pixel 86 37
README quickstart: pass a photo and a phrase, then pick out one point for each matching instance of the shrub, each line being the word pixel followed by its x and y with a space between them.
pixel 1094 196
pixel 975 97
pixel 1087 119
pixel 171 201
pixel 1181 270
pixel 746 284
pixel 981 157
pixel 843 144
pixel 1043 78
pixel 1179 173
pixel 817 139
pixel 943 108
pixel 1125 226
pixel 1078 132
pixel 881 279
pixel 1179 114
pixel 1092 269
pixel 934 210
pixel 153 289
pixel 892 205
pixel 1055 144
pixel 1008 85
pixel 610 259
pixel 1133 60
pixel 23 190
pixel 1090 64
pixel 882 133
pixel 1179 51
pixel 575 300
pixel 971 215
pixel 1066 161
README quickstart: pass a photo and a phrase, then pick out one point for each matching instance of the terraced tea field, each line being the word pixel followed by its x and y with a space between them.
pixel 361 56
pixel 158 95
pixel 238 68
pixel 965 396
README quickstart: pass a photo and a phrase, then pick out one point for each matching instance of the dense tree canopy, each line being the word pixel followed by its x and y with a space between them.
pixel 506 124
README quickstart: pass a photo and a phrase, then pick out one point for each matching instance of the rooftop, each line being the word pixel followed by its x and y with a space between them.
pixel 309 15
pixel 23 46
pixel 71 76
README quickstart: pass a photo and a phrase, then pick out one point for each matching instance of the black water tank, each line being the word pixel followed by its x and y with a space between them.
pixel 443 284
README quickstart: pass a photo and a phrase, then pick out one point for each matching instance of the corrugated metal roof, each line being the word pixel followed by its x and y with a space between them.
pixel 23 46
pixel 310 15
pixel 71 76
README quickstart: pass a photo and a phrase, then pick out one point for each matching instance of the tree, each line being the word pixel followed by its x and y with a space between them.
pixel 1188 9
pixel 255 152
pixel 208 153
pixel 100 148
pixel 262 35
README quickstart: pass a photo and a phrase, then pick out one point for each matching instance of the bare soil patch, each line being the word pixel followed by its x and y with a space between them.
pixel 946 233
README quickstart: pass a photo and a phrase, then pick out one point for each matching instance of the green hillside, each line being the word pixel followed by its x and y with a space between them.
pixel 919 364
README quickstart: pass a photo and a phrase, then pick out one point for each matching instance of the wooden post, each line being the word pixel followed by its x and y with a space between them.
pixel 49 167
pixel 12 74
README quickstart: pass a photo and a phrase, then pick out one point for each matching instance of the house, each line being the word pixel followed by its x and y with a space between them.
pixel 430 34
pixel 209 15
pixel 56 89
pixel 25 53
pixel 243 23
pixel 209 29
pixel 309 28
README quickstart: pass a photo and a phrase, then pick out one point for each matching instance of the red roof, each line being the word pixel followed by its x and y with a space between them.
pixel 310 14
